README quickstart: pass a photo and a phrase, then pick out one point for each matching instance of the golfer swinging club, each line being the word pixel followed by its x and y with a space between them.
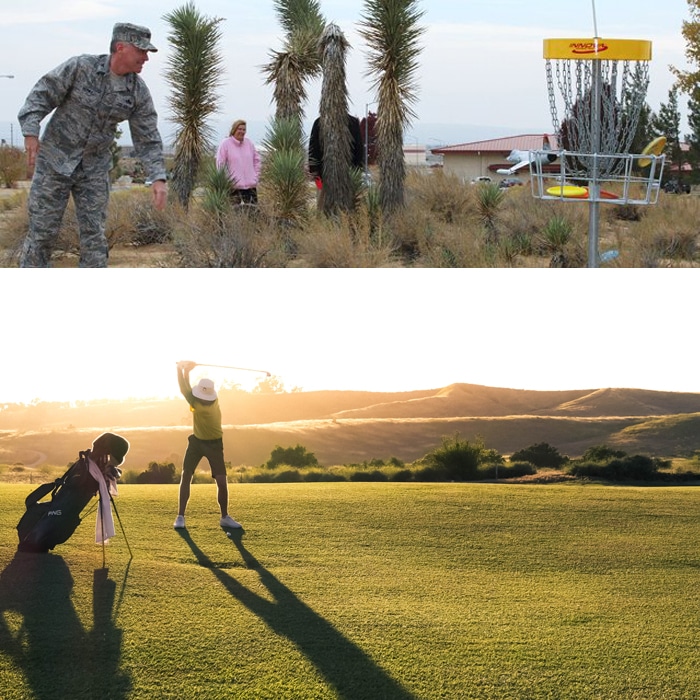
pixel 207 441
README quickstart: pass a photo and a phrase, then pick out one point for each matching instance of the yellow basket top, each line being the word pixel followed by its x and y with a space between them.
pixel 598 49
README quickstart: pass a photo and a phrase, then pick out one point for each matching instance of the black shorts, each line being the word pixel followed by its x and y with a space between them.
pixel 213 450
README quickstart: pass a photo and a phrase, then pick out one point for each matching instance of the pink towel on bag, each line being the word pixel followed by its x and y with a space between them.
pixel 104 525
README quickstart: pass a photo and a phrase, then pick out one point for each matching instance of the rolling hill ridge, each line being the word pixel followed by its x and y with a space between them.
pixel 347 426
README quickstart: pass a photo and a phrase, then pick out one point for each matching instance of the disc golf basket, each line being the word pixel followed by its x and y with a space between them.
pixel 597 88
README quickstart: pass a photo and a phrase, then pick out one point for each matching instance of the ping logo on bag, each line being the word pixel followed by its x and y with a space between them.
pixel 54 512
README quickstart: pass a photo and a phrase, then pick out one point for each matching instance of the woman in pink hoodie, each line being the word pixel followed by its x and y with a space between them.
pixel 238 155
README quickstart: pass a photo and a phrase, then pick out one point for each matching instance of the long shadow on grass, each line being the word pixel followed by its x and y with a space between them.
pixel 42 634
pixel 347 668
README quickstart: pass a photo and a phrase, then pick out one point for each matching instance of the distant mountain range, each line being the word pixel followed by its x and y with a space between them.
pixel 346 426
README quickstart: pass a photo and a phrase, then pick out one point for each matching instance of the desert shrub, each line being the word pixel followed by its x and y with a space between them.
pixel 235 237
pixel 346 240
pixel 157 473
pixel 430 474
pixel 146 225
pixel 15 200
pixel 506 471
pixel 516 469
pixel 628 212
pixel 601 453
pixel 629 468
pixel 374 475
pixel 457 459
pixel 13 165
pixel 541 455
pixel 262 478
pixel 289 476
pixel 297 456
pixel 666 235
pixel 314 475
pixel 131 219
pixel 444 196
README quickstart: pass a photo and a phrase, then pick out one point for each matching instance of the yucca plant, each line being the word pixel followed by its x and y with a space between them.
pixel 299 60
pixel 194 72
pixel 283 175
pixel 556 233
pixel 489 198
pixel 392 33
pixel 217 190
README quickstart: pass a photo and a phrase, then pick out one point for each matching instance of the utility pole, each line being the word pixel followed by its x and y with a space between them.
pixel 12 141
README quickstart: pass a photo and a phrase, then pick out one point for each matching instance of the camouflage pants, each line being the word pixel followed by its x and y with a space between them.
pixel 48 199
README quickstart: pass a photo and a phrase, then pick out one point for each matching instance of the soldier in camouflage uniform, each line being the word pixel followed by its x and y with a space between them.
pixel 91 96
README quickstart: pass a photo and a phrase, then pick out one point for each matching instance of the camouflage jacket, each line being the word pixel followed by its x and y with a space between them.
pixel 90 102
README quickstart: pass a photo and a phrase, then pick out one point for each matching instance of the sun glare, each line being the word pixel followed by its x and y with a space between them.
pixel 344 330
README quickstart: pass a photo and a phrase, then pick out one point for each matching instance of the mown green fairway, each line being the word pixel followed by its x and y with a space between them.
pixel 360 591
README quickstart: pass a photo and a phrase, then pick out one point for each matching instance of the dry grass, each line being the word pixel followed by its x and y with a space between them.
pixel 441 225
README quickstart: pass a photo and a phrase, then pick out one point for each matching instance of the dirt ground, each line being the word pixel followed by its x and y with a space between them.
pixel 163 255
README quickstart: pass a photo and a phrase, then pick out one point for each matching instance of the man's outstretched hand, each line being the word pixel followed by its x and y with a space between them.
pixel 160 194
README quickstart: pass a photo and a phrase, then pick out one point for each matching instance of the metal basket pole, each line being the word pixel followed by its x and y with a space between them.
pixel 594 188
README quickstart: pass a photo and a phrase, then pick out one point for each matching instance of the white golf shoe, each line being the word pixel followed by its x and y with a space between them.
pixel 179 523
pixel 228 521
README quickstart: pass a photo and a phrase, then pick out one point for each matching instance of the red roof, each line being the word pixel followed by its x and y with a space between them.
pixel 524 142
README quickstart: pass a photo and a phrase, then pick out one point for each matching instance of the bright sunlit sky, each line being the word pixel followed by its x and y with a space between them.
pixel 481 70
pixel 80 335
pixel 85 334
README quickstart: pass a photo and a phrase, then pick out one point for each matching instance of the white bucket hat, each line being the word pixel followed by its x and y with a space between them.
pixel 204 390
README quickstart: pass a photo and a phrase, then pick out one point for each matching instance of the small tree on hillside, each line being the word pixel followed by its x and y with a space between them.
pixel 541 454
pixel 601 453
pixel 297 456
pixel 157 473
pixel 458 459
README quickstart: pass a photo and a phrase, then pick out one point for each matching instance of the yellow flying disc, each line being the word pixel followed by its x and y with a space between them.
pixel 655 148
pixel 569 191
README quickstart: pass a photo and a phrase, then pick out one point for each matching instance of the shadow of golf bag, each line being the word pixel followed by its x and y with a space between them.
pixel 46 524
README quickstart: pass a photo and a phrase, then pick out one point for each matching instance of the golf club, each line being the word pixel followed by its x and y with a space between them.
pixel 240 369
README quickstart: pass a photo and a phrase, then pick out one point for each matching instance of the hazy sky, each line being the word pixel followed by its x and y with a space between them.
pixel 84 334
pixel 481 62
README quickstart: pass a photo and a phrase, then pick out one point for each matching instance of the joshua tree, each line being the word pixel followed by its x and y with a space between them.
pixel 338 190
pixel 194 73
pixel 299 59
pixel 391 30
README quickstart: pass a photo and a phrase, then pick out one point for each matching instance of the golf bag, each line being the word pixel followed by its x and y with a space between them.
pixel 46 524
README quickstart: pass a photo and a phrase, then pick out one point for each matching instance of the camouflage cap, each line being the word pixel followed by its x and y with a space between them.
pixel 140 37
